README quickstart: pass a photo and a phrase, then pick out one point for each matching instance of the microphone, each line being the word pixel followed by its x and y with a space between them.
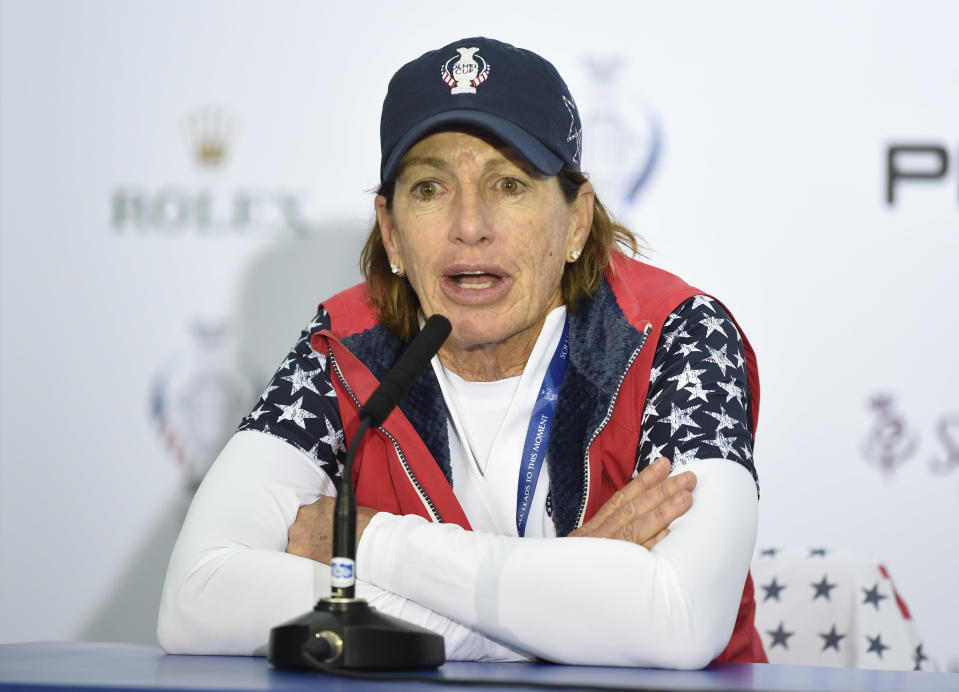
pixel 408 368
pixel 343 631
pixel 396 383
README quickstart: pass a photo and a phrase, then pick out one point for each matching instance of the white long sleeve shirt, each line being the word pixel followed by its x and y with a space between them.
pixel 492 597
pixel 572 600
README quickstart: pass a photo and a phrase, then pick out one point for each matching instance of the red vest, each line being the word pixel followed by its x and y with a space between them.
pixel 395 472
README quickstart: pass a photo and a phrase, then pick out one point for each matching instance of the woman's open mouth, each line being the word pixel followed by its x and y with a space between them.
pixel 475 285
pixel 474 280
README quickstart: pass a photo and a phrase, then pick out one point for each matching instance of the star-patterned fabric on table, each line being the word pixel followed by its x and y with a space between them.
pixel 820 607
pixel 697 406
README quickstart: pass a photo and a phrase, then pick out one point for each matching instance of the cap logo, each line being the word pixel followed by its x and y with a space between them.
pixel 574 132
pixel 464 75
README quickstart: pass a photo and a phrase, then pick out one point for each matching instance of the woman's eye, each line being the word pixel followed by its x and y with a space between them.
pixel 510 185
pixel 426 190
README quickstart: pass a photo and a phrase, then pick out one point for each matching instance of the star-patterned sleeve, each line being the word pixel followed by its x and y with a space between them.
pixel 698 401
pixel 299 404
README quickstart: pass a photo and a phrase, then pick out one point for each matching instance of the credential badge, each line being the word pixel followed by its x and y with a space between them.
pixel 464 75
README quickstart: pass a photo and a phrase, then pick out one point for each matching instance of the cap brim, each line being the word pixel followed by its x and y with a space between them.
pixel 525 144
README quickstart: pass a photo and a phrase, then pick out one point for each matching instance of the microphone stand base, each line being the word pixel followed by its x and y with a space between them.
pixel 348 633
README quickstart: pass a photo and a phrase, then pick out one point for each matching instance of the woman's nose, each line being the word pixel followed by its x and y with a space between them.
pixel 470 222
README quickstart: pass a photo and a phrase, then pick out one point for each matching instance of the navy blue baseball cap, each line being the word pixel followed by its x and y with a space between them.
pixel 512 93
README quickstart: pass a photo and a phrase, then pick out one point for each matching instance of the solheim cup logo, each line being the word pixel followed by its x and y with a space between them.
pixel 198 396
pixel 464 75
pixel 625 136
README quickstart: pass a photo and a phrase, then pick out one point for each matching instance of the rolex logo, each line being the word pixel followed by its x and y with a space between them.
pixel 208 130
pixel 208 206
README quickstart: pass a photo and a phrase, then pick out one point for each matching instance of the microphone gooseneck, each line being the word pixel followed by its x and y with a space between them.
pixel 343 631
pixel 394 386
pixel 343 564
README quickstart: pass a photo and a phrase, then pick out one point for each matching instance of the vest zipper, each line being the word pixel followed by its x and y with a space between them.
pixel 601 427
pixel 424 498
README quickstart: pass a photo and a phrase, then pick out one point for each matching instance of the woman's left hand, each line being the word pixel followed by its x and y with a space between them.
pixel 641 511
pixel 311 534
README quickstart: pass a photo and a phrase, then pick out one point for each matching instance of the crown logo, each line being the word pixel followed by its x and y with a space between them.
pixel 208 129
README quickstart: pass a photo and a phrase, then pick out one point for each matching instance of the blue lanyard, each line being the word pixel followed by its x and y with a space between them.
pixel 537 435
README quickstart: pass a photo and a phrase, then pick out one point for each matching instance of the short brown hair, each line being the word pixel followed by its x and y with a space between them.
pixel 397 306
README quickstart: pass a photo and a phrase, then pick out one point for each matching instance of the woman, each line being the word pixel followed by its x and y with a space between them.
pixel 570 370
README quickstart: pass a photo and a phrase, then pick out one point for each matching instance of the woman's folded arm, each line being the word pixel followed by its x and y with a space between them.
pixel 230 580
pixel 585 600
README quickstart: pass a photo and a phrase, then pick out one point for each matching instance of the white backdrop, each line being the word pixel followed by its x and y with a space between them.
pixel 181 183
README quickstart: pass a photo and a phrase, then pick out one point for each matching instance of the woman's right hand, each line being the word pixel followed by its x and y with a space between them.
pixel 642 510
